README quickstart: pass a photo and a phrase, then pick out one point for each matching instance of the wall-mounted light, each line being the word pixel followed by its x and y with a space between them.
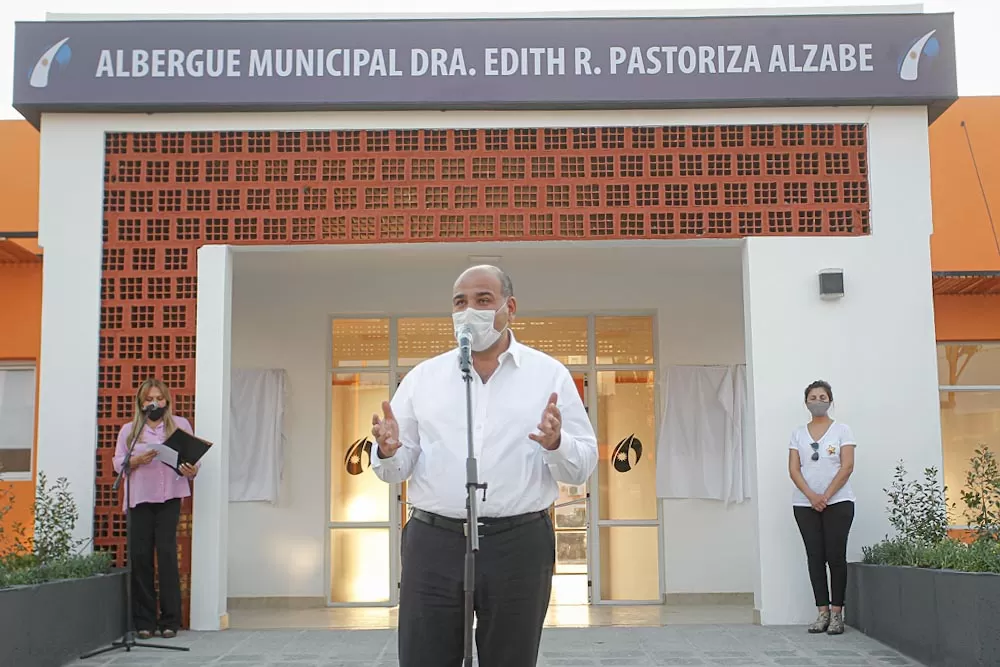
pixel 831 284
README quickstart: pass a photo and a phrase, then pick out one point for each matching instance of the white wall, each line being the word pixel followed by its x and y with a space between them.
pixel 70 213
pixel 876 347
pixel 209 538
pixel 696 293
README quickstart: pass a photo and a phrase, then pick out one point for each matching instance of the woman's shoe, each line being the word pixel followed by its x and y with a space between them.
pixel 836 624
pixel 169 634
pixel 144 634
pixel 821 624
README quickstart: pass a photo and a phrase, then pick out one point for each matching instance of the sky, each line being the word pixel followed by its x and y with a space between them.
pixel 976 21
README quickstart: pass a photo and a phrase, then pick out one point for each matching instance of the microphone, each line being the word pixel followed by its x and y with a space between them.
pixel 465 346
pixel 148 409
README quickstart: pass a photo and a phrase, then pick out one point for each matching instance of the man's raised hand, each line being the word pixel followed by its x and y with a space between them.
pixel 386 431
pixel 550 427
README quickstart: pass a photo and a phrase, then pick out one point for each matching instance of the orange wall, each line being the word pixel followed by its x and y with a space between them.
pixel 19 179
pixel 973 318
pixel 20 284
pixel 963 238
pixel 21 305
pixel 20 340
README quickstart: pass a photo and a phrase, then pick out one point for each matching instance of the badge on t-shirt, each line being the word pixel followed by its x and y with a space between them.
pixel 831 450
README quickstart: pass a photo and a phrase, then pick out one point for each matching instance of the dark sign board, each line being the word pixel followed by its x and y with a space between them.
pixel 201 65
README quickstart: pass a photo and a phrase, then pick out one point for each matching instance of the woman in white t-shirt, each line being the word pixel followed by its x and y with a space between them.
pixel 820 462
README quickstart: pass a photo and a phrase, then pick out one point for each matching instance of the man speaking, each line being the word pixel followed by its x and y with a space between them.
pixel 530 431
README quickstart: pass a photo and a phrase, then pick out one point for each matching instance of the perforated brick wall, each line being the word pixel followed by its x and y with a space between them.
pixel 167 194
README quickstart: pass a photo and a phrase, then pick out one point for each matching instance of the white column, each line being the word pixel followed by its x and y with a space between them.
pixel 876 346
pixel 71 186
pixel 209 542
pixel 750 442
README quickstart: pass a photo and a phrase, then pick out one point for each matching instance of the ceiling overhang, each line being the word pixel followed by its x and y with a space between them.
pixel 12 252
pixel 966 282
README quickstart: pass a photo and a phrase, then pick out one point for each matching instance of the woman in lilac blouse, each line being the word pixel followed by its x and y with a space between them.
pixel 155 501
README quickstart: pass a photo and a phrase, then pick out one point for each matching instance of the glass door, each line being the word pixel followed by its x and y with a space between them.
pixel 607 531
pixel 627 521
pixel 360 536
pixel 570 517
pixel 417 339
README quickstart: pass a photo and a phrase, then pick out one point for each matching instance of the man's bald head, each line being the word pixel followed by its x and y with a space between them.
pixel 486 287
pixel 506 285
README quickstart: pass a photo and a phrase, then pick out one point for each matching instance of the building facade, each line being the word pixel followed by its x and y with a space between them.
pixel 195 226
pixel 965 182
pixel 20 321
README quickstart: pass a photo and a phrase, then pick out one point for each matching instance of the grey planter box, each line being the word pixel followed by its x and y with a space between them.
pixel 941 618
pixel 51 624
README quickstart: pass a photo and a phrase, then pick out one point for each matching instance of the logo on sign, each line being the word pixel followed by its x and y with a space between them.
pixel 353 460
pixel 627 454
pixel 909 66
pixel 57 53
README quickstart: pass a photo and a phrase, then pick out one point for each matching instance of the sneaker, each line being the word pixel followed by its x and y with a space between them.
pixel 836 624
pixel 821 624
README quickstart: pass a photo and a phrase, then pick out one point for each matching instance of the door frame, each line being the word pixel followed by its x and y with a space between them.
pixel 396 501
pixel 596 523
pixel 329 525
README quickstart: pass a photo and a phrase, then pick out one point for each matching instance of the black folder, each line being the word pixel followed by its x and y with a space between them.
pixel 189 448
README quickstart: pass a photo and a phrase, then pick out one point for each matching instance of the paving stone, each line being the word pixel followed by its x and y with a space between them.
pixel 138 656
pixel 681 646
pixel 238 659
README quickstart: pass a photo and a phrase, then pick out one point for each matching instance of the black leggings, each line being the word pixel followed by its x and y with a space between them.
pixel 825 536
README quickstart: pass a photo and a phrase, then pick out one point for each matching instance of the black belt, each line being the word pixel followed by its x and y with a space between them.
pixel 487 525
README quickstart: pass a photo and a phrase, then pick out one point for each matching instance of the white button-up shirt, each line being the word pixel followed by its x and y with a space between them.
pixel 430 408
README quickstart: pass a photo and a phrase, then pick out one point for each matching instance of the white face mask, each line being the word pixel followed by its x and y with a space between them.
pixel 481 323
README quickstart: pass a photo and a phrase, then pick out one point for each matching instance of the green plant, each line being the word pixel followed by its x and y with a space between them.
pixel 55 519
pixel 982 494
pixel 28 570
pixel 948 554
pixel 918 510
pixel 53 553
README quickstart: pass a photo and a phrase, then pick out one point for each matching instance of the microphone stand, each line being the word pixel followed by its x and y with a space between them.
pixel 472 515
pixel 128 642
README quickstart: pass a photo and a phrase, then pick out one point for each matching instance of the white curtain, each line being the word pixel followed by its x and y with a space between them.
pixel 700 450
pixel 256 434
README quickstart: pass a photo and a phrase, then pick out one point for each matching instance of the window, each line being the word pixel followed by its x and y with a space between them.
pixel 969 383
pixel 969 364
pixel 17 420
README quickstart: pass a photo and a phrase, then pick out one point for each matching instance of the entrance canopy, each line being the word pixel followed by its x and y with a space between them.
pixel 559 62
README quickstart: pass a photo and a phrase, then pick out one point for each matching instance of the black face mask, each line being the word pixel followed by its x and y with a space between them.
pixel 155 413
